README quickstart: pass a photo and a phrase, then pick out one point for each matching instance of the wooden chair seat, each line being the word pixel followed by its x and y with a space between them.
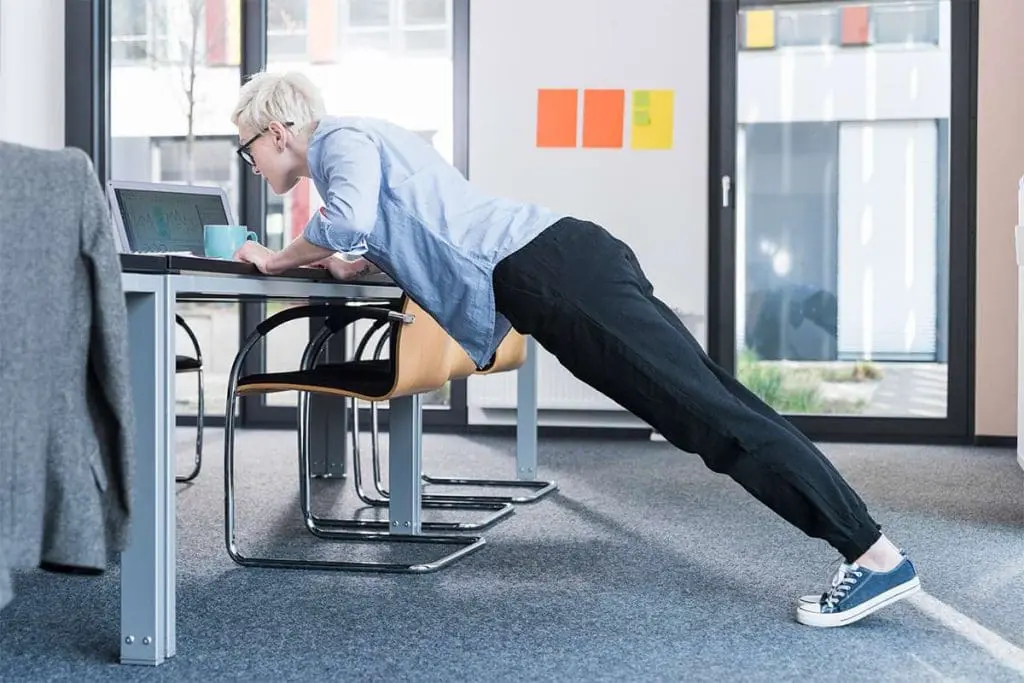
pixel 418 364
pixel 511 355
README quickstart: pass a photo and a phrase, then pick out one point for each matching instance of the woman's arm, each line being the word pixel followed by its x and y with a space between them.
pixel 301 252
pixel 341 269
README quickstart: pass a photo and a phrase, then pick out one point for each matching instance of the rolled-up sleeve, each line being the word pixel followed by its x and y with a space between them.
pixel 349 167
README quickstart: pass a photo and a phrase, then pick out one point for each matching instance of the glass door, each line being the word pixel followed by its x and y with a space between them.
pixel 841 240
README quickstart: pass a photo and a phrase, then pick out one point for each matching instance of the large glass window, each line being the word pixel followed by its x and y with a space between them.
pixel 398 27
pixel 174 76
pixel 287 29
pixel 842 209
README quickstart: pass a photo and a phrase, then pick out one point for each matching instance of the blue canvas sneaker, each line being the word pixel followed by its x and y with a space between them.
pixel 857 592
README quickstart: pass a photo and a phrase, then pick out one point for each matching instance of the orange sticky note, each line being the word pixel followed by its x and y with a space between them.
pixel 603 115
pixel 556 117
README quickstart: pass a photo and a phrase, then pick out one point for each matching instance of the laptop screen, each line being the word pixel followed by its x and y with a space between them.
pixel 157 221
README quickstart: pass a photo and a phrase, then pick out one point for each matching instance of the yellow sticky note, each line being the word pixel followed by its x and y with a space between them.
pixel 653 117
pixel 760 28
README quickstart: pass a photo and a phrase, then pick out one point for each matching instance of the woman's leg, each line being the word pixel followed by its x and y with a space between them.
pixel 575 291
pixel 731 384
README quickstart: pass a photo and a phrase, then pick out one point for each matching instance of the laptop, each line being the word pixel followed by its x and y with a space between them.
pixel 159 218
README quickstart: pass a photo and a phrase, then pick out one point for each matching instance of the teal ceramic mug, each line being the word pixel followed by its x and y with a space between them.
pixel 222 241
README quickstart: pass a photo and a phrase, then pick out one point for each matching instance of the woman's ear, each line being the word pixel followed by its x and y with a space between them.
pixel 280 133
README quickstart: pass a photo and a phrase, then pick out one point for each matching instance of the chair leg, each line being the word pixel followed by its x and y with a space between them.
pixel 467 544
pixel 197 463
pixel 540 488
pixel 499 510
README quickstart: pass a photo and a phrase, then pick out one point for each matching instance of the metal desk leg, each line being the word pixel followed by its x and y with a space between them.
pixel 526 414
pixel 148 564
pixel 405 444
pixel 328 419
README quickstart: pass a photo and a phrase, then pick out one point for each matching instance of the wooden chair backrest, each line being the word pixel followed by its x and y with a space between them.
pixel 460 365
pixel 421 354
pixel 511 354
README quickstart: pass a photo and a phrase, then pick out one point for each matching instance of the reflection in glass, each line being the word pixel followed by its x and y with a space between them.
pixel 842 207
pixel 174 72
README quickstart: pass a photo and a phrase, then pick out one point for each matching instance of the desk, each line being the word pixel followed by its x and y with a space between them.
pixel 152 285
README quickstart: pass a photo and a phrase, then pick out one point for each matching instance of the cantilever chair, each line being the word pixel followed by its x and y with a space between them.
pixel 184 363
pixel 418 363
pixel 510 355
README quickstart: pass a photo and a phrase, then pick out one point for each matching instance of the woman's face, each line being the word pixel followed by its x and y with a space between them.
pixel 268 153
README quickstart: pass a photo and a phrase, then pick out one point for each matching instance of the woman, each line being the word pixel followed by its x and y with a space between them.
pixel 480 264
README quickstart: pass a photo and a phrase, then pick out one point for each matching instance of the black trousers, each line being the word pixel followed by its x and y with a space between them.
pixel 582 295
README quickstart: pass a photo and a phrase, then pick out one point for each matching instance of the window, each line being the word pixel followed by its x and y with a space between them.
pixel 153 113
pixel 369 13
pixel 425 26
pixel 414 27
pixel 287 29
pixel 138 33
pixel 811 26
pixel 907 23
pixel 210 160
pixel 842 227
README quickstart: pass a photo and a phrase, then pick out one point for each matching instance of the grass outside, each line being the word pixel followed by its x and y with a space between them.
pixel 797 388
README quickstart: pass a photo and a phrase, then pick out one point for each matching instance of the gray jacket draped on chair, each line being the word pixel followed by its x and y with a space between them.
pixel 66 424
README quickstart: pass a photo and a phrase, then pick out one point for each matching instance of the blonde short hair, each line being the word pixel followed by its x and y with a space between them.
pixel 288 96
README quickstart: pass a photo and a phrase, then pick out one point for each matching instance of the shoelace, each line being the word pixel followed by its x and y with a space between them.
pixel 845 577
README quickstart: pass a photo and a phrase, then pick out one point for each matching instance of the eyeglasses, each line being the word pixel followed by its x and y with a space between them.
pixel 243 149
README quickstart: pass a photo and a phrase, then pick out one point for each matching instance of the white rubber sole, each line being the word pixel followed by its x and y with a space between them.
pixel 807 612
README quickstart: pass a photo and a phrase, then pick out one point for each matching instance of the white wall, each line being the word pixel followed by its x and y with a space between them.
pixel 654 200
pixel 32 72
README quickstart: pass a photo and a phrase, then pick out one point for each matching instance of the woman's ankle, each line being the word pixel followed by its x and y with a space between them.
pixel 883 556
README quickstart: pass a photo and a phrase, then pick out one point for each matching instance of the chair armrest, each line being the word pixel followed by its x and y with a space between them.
pixel 289 314
pixel 339 318
pixel 191 335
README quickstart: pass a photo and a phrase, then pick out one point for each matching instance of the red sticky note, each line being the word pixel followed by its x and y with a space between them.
pixel 556 117
pixel 603 115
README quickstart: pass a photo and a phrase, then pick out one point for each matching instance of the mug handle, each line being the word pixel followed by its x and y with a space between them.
pixel 250 236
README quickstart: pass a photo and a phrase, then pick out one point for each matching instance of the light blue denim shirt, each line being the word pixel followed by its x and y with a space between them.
pixel 390 197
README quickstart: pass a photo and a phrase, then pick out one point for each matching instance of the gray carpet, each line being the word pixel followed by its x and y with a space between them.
pixel 644 566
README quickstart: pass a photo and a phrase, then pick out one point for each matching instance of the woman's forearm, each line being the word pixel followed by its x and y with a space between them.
pixel 301 252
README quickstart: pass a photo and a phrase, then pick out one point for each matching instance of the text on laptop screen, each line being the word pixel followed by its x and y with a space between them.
pixel 168 221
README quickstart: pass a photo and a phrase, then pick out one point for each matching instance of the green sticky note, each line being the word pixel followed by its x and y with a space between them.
pixel 641 118
pixel 641 98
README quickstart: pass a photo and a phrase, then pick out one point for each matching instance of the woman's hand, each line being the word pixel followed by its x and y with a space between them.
pixel 256 254
pixel 340 269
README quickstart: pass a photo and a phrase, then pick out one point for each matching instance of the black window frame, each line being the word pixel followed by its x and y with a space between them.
pixel 959 424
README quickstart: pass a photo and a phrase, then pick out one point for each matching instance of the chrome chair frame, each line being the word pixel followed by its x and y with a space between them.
pixel 499 510
pixel 336 318
pixel 539 488
pixel 186 364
